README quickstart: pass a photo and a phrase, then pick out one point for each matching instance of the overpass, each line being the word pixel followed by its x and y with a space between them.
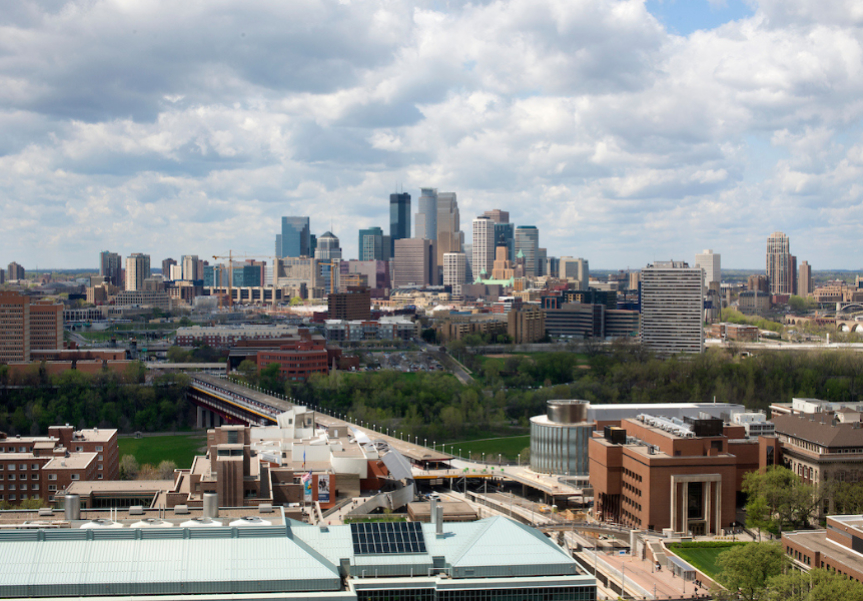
pixel 220 401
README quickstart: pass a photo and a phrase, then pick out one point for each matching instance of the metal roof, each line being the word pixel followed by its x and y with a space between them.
pixel 292 558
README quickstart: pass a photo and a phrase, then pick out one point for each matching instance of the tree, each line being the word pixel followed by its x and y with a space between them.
pixel 249 370
pixel 166 470
pixel 746 569
pixel 778 499
pixel 178 355
pixel 129 467
pixel 296 300
pixel 816 585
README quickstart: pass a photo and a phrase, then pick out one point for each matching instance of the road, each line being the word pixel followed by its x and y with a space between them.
pixel 452 365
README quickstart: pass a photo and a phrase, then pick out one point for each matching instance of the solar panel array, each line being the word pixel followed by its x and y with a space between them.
pixel 387 537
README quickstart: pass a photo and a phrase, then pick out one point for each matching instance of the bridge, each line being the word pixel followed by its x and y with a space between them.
pixel 220 401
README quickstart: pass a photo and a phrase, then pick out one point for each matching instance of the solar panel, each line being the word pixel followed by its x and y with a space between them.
pixel 379 538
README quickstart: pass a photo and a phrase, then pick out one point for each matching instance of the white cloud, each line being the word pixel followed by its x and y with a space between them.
pixel 191 128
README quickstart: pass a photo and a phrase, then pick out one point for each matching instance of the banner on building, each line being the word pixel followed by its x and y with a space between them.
pixel 323 488
pixel 307 486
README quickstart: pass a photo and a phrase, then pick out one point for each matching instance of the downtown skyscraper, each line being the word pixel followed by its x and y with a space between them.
pixel 781 265
pixel 296 237
pixel 400 217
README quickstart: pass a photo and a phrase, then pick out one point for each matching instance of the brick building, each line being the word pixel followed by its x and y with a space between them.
pixel 44 466
pixel 837 548
pixel 297 360
pixel 526 325
pixel 657 473
pixel 27 325
pixel 353 304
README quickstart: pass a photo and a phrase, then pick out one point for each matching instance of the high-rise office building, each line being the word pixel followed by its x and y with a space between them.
pixel 541 256
pixel 328 254
pixel 328 248
pixel 497 215
pixel 426 217
pixel 454 275
pixel 415 263
pixel 372 246
pixel 450 238
pixel 804 281
pixel 672 308
pixel 175 273
pixel 111 267
pixel 711 263
pixel 190 268
pixel 166 268
pixel 780 274
pixel 400 217
pixel 483 247
pixel 296 237
pixel 527 242
pixel 569 268
pixel 137 270
pixel 504 235
pixel 15 272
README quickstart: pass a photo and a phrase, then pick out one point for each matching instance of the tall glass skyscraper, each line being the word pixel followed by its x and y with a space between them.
pixel 296 237
pixel 527 241
pixel 426 217
pixel 400 217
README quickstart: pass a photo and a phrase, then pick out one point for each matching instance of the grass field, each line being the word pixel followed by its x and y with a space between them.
pixel 509 447
pixel 701 556
pixel 180 449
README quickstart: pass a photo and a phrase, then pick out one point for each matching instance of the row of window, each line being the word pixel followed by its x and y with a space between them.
pixel 23 477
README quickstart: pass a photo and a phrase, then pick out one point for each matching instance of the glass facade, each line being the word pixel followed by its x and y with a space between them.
pixel 295 237
pixel 559 449
pixel 400 217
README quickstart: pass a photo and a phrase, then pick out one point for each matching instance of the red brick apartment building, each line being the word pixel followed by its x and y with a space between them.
pixel 837 548
pixel 27 325
pixel 656 473
pixel 297 360
pixel 44 466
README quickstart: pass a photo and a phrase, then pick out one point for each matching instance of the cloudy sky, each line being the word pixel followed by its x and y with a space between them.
pixel 627 131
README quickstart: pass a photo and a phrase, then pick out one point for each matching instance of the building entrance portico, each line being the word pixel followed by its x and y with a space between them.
pixel 696 503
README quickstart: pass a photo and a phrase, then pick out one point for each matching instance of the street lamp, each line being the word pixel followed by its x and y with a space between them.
pixel 519 459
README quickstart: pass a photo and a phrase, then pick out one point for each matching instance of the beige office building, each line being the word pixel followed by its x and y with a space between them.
pixel 450 238
pixel 137 270
pixel 711 263
pixel 483 247
pixel 804 280
pixel 780 272
pixel 415 263
pixel 454 266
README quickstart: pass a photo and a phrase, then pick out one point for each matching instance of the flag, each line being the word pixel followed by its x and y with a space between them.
pixel 304 457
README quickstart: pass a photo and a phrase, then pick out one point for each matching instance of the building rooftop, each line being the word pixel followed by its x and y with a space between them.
pixel 820 430
pixel 298 558
pixel 75 461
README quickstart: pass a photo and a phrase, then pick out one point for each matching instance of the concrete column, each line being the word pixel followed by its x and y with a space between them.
pixel 673 504
pixel 718 504
pixel 200 412
pixel 707 508
pixel 686 507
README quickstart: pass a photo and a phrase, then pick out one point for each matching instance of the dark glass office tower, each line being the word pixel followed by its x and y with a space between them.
pixel 400 217
pixel 296 240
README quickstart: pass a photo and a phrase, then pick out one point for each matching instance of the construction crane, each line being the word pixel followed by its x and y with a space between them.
pixel 230 257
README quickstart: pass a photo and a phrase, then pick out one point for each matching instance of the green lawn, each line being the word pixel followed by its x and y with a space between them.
pixel 180 449
pixel 509 447
pixel 703 555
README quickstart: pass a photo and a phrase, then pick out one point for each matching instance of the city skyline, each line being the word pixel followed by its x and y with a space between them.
pixel 625 131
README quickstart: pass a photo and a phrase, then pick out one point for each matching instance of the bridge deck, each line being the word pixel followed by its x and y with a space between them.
pixel 417 453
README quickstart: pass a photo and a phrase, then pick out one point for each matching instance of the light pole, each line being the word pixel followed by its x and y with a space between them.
pixel 519 460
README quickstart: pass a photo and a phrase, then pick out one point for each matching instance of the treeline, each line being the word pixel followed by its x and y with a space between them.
pixel 436 406
pixel 428 405
pixel 105 400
